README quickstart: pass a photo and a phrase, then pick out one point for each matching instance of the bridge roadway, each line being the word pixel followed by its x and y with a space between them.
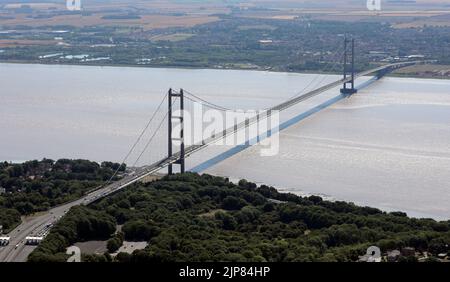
pixel 17 251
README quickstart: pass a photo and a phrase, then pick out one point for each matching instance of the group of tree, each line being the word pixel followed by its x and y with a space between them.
pixel 80 224
pixel 36 186
pixel 115 242
pixel 199 218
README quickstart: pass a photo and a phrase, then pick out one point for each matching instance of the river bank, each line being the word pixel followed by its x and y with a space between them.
pixel 256 68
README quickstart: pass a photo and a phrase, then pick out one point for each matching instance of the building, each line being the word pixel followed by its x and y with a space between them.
pixel 393 256
pixel 408 252
pixel 442 256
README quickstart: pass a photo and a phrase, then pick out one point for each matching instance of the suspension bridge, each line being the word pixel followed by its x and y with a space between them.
pixel 160 126
pixel 179 157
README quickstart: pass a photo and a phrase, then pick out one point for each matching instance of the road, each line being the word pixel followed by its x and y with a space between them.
pixel 39 225
pixel 32 227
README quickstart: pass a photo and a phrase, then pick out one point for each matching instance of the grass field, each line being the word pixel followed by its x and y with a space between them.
pixel 24 42
pixel 187 13
pixel 428 71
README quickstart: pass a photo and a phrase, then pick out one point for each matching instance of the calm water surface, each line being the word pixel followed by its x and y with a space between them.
pixel 388 146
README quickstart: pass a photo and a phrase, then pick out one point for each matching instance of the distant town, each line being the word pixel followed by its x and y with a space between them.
pixel 221 36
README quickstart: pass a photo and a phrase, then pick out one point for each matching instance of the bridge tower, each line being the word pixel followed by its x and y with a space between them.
pixel 349 86
pixel 172 96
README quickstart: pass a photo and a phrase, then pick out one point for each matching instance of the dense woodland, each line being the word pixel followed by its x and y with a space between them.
pixel 204 218
pixel 36 186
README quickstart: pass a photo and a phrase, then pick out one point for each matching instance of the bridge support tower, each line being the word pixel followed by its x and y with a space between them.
pixel 349 63
pixel 172 96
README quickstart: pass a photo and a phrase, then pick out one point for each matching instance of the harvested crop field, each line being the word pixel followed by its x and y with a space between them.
pixel 24 42
pixel 147 22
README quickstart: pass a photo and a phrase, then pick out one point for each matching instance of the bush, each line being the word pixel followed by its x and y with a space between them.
pixel 9 218
pixel 123 257
pixel 228 222
pixel 140 230
pixel 52 184
pixel 233 203
pixel 115 243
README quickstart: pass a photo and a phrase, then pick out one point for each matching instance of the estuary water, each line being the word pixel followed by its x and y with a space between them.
pixel 387 146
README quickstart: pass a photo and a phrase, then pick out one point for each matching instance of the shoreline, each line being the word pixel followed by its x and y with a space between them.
pixel 313 72
pixel 305 193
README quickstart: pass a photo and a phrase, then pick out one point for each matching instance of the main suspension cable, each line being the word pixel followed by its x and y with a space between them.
pixel 138 139
pixel 327 68
pixel 212 105
pixel 154 134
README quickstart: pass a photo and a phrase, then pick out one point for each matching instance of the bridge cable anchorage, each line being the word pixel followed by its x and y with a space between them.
pixel 138 139
pixel 154 134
